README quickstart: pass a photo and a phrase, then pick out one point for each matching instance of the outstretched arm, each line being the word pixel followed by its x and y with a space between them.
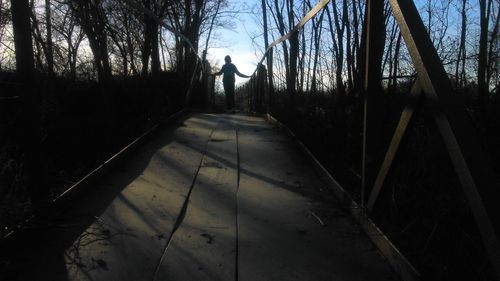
pixel 219 72
pixel 241 74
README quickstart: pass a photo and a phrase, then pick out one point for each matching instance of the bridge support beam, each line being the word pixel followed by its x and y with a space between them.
pixel 404 121
pixel 478 180
pixel 374 40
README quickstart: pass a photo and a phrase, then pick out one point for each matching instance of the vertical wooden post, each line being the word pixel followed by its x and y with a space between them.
pixel 374 40
pixel 261 88
pixel 50 48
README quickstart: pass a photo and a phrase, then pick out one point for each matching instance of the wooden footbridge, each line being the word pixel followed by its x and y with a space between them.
pixel 206 196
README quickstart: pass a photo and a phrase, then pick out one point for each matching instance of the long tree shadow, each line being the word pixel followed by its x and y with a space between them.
pixel 258 125
pixel 44 253
pixel 52 252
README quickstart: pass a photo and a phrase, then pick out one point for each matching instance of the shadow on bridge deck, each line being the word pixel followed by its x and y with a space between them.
pixel 255 210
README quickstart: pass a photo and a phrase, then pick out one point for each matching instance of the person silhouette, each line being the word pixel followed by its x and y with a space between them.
pixel 229 70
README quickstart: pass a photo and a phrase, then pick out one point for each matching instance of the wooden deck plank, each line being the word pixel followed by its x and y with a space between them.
pixel 204 246
pixel 140 219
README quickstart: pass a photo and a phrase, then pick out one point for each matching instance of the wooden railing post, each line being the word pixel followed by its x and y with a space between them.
pixel 209 88
pixel 261 89
pixel 373 49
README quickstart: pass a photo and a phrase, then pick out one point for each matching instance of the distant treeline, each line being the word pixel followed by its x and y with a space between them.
pixel 97 39
pixel 326 55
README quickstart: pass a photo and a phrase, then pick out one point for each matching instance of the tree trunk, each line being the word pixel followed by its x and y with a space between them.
pixel 50 48
pixel 212 22
pixel 145 54
pixel 397 50
pixel 357 63
pixel 317 41
pixel 30 138
pixel 155 51
pixel 338 59
pixel 302 61
pixel 130 47
pixel 39 44
pixel 482 88
pixel 191 30
pixel 492 54
pixel 162 49
pixel 350 64
pixel 281 28
pixel 294 54
pixel 269 56
pixel 146 46
pixel 93 24
pixel 388 58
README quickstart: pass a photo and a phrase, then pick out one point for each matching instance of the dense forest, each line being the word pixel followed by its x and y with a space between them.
pixel 80 79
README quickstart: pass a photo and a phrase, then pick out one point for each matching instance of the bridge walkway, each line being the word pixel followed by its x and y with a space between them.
pixel 213 197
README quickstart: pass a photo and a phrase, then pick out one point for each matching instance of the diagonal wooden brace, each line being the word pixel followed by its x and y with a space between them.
pixel 404 121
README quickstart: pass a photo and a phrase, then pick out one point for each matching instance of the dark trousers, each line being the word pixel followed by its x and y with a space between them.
pixel 229 91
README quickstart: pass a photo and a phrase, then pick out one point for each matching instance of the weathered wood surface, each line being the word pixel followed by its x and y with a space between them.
pixel 286 234
pixel 204 246
pixel 256 211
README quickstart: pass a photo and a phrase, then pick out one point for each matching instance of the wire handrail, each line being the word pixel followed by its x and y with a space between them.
pixel 311 14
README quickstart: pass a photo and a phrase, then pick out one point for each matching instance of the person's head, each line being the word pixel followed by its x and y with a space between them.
pixel 227 59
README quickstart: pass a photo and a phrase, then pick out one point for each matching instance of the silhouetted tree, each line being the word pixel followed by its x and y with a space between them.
pixel 30 138
pixel 484 15
pixel 92 19
pixel 50 47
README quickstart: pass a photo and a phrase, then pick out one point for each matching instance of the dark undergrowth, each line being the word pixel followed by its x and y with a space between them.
pixel 83 123
pixel 422 208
